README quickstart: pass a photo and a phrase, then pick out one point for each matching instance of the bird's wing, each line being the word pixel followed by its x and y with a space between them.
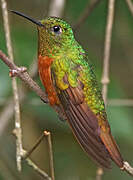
pixel 84 124
pixel 91 130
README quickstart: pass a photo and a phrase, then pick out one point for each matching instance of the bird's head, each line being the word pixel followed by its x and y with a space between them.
pixel 53 33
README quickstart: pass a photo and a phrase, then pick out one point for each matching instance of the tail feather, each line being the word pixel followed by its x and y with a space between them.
pixel 112 148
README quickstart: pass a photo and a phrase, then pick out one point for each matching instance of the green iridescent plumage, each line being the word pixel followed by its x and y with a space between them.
pixel 78 91
pixel 67 55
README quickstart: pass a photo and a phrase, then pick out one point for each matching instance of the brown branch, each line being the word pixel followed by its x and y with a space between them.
pixel 24 76
pixel 130 5
pixel 48 135
pixel 14 86
pixel 87 11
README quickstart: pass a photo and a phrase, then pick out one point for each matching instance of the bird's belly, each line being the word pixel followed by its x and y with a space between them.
pixel 44 64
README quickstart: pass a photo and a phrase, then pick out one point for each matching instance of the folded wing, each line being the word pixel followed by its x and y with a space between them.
pixel 84 124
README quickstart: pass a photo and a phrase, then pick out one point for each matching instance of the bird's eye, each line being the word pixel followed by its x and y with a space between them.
pixel 57 29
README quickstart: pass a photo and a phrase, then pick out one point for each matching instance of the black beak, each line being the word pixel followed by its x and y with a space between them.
pixel 30 19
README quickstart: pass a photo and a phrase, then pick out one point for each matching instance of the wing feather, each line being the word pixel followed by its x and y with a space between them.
pixel 94 138
pixel 84 126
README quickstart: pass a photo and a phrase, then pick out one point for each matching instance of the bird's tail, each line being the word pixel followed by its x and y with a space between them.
pixel 112 148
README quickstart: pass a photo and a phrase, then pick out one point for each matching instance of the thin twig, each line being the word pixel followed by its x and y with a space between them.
pixel 28 153
pixel 31 163
pixel 24 76
pixel 106 57
pixel 48 135
pixel 130 5
pixel 14 86
pixel 107 47
pixel 56 8
pixel 38 170
pixel 35 167
pixel 87 11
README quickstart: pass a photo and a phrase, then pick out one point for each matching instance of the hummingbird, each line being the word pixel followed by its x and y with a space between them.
pixel 70 84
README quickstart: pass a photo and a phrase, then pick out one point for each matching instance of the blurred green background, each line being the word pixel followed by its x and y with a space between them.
pixel 70 162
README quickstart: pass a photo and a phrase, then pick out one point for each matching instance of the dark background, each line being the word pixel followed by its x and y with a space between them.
pixel 70 162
